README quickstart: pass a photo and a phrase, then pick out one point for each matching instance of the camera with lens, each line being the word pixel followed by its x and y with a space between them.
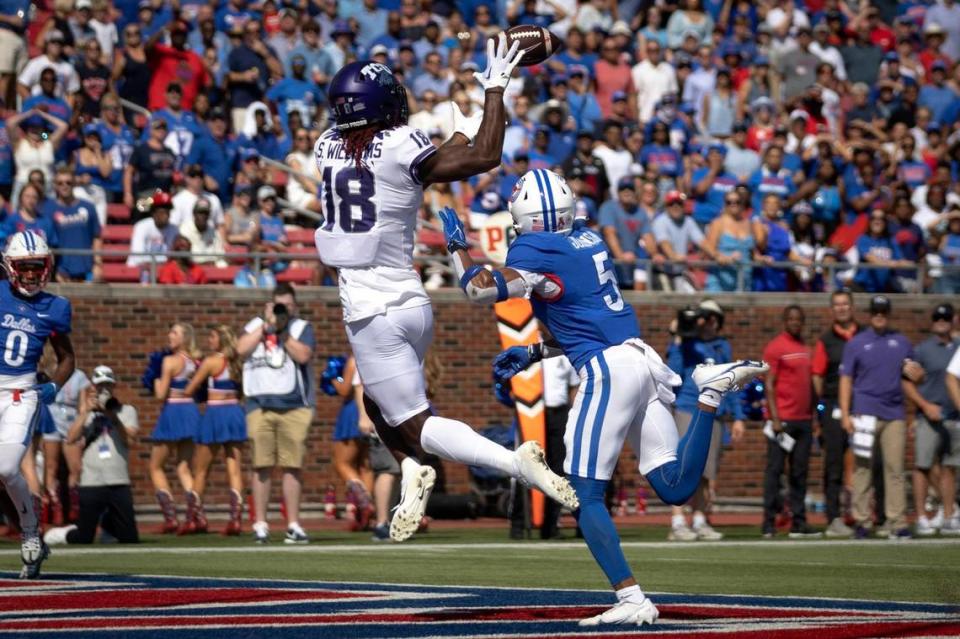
pixel 282 315
pixel 687 319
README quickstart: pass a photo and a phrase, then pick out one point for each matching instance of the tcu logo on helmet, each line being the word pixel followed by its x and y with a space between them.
pixel 376 71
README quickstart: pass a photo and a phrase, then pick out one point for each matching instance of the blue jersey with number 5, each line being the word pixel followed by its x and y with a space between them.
pixel 588 314
pixel 25 325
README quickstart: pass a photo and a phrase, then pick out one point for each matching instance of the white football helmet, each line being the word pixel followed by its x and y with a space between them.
pixel 28 262
pixel 542 201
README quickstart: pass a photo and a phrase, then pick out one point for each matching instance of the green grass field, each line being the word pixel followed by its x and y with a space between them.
pixel 927 571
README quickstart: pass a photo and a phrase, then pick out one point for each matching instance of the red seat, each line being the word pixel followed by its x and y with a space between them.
pixel 431 238
pixel 303 250
pixel 120 273
pixel 118 212
pixel 278 178
pixel 125 248
pixel 116 233
pixel 300 235
pixel 220 274
pixel 297 275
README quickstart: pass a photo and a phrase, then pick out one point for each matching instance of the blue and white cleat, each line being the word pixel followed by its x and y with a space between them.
pixel 715 380
pixel 625 613
pixel 33 552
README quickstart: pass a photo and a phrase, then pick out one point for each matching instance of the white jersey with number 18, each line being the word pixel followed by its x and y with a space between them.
pixel 370 219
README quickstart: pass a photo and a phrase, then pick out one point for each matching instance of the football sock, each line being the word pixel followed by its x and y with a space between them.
pixel 633 594
pixel 598 529
pixel 676 480
pixel 699 520
pixel 678 521
pixel 17 488
pixel 456 441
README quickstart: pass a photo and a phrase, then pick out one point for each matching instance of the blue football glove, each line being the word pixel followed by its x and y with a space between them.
pixel 332 371
pixel 501 390
pixel 453 230
pixel 46 392
pixel 511 361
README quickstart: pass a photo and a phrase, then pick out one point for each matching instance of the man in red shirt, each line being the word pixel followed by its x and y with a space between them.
pixel 613 74
pixel 789 392
pixel 176 64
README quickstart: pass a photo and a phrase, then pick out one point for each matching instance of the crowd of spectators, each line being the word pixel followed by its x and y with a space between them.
pixel 803 131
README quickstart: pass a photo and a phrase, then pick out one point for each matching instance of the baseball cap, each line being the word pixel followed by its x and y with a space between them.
pixel 625 183
pixel 691 33
pixel 469 65
pixel 266 191
pixel 892 56
pixel 718 147
pixel 943 312
pixel 620 28
pixel 933 28
pixel 91 129
pixel 300 59
pixel 879 304
pixel 798 113
pixel 156 123
pixel 379 49
pixel 341 27
pixel 938 65
pixel 145 4
pixel 710 307
pixel 682 59
pixel 174 87
pixel 243 189
pixel 578 70
pixel 103 375
pixel 249 154
pixel 740 125
pixel 54 35
pixel 194 170
pixel 802 208
pixel 559 79
pixel 618 96
pixel 521 156
pixel 761 61
pixel 203 204
pixel 84 4
pixel 674 197
pixel 217 113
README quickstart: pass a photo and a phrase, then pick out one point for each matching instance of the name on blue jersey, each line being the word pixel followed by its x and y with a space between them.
pixel 585 240
pixel 22 324
pixel 337 152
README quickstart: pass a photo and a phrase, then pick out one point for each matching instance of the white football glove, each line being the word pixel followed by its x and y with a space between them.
pixel 468 126
pixel 500 63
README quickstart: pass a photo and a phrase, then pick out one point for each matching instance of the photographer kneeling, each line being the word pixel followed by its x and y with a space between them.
pixel 104 428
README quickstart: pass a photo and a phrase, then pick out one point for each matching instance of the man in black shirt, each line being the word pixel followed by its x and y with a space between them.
pixel 151 167
pixel 594 173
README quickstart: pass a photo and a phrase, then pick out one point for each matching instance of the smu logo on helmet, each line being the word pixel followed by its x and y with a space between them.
pixel 379 72
pixel 516 190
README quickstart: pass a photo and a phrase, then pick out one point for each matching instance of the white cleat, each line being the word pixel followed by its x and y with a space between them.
pixel 723 378
pixel 32 553
pixel 57 536
pixel 534 473
pixel 413 504
pixel 625 613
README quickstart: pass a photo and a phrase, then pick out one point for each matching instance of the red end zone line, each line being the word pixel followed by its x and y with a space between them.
pixel 676 613
pixel 158 598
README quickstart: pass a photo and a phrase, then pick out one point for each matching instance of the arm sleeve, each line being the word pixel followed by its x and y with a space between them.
pixel 848 365
pixel 62 317
pixel 307 337
pixel 820 360
pixel 772 357
pixel 954 366
pixel 411 150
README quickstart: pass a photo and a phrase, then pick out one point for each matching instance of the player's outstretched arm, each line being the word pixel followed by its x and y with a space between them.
pixel 480 284
pixel 454 162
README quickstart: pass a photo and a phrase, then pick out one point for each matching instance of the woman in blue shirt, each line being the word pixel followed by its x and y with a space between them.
pixel 876 247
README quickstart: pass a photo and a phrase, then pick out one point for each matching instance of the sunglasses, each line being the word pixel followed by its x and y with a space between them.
pixel 732 202
pixel 302 138
pixel 63 182
pixel 940 317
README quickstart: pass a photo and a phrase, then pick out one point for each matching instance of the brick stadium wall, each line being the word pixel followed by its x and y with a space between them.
pixel 119 324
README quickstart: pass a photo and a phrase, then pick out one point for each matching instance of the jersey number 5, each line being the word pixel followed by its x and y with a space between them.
pixel 351 187
pixel 608 281
pixel 15 350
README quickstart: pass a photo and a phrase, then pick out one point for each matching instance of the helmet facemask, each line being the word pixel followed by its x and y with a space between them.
pixel 29 274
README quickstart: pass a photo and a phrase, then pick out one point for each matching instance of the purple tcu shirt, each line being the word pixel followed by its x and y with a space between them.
pixel 875 362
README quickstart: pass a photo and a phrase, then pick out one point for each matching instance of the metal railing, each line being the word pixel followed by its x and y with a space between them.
pixel 825 271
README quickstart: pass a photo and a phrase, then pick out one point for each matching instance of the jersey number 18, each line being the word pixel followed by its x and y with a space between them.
pixel 350 187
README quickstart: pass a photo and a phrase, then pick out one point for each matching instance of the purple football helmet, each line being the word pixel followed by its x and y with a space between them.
pixel 365 92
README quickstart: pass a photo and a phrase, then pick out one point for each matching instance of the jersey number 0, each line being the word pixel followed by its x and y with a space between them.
pixel 350 188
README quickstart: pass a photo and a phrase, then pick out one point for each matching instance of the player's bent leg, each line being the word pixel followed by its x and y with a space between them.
pixel 676 480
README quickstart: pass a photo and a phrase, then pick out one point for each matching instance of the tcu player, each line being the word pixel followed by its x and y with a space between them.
pixel 625 388
pixel 29 316
pixel 374 169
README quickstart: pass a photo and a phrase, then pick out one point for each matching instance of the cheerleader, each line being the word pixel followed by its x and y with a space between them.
pixel 177 425
pixel 351 445
pixel 223 424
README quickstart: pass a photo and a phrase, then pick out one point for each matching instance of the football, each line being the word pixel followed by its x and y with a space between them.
pixel 537 43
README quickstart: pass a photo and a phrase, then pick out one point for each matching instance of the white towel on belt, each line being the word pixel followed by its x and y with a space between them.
pixel 663 377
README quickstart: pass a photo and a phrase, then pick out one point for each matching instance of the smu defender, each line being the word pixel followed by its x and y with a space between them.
pixel 29 316
pixel 625 389
pixel 374 169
